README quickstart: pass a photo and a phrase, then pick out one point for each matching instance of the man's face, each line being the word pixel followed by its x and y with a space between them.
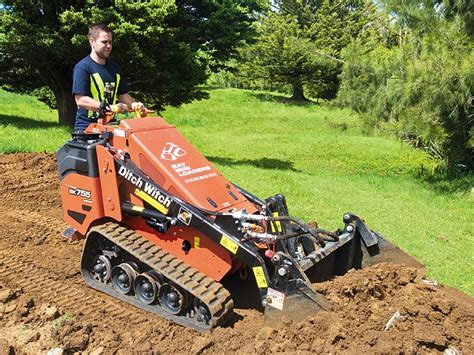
pixel 102 45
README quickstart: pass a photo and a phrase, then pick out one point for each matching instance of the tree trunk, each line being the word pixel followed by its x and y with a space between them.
pixel 458 150
pixel 59 81
pixel 298 94
pixel 66 107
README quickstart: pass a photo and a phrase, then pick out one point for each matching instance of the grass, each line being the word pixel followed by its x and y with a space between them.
pixel 28 125
pixel 319 159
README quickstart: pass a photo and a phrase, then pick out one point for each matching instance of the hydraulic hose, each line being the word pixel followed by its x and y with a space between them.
pixel 316 233
pixel 317 239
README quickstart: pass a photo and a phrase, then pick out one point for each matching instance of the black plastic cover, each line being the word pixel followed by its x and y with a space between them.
pixel 78 156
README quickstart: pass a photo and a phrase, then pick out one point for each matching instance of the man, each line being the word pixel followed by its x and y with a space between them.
pixel 95 74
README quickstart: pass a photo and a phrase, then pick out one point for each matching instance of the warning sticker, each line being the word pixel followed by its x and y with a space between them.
pixel 260 276
pixel 184 216
pixel 229 244
pixel 277 224
pixel 275 298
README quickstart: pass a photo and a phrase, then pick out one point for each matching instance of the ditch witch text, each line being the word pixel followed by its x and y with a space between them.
pixel 150 189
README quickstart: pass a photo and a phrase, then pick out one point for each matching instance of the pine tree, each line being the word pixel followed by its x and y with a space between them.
pixel 300 44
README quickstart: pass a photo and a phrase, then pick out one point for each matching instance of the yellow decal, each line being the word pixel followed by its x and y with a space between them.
pixel 197 242
pixel 260 276
pixel 138 208
pixel 151 201
pixel 229 244
pixel 277 224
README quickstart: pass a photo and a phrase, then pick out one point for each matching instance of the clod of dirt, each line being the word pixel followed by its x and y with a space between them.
pixel 6 348
pixel 27 336
pixel 77 343
pixel 73 335
pixel 47 312
pixel 6 295
pixel 100 350
pixel 24 306
pixel 201 344
pixel 265 333
pixel 8 308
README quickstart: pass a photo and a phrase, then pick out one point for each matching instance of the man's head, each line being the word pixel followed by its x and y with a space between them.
pixel 100 39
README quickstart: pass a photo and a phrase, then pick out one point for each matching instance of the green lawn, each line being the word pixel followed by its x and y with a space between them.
pixel 28 125
pixel 318 158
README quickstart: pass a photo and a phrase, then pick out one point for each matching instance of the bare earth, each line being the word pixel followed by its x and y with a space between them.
pixel 44 303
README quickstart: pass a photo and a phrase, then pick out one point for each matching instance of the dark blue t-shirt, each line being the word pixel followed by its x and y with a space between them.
pixel 83 78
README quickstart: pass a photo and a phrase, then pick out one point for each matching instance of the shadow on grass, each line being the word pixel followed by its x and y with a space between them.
pixel 282 99
pixel 263 163
pixel 25 122
pixel 443 182
pixel 209 87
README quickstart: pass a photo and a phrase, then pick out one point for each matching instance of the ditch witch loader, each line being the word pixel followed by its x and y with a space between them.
pixel 164 228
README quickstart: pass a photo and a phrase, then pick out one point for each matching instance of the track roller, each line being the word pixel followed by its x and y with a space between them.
pixel 202 311
pixel 101 268
pixel 173 299
pixel 146 287
pixel 123 276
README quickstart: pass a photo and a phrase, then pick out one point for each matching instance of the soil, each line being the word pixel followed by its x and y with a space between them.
pixel 46 306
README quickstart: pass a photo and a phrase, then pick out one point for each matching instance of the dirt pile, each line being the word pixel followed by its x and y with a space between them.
pixel 45 305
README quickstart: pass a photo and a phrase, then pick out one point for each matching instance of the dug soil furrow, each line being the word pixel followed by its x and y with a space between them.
pixel 47 223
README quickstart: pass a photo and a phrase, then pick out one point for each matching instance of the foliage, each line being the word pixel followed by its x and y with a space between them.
pixel 423 15
pixel 44 94
pixel 423 88
pixel 165 47
pixel 464 10
pixel 300 42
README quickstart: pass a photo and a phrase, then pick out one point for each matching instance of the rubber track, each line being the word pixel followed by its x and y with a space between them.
pixel 45 285
pixel 212 293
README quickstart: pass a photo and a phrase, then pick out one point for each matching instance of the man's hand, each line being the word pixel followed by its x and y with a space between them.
pixel 119 108
pixel 138 107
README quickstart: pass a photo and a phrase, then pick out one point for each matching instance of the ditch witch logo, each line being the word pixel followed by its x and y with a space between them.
pixel 172 152
pixel 147 191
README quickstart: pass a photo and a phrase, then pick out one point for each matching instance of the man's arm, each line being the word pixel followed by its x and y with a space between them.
pixel 126 99
pixel 87 102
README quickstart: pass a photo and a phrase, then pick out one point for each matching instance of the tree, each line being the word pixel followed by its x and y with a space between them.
pixel 300 43
pixel 423 86
pixel 164 46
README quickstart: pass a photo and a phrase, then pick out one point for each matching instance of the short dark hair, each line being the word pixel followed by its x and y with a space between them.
pixel 96 28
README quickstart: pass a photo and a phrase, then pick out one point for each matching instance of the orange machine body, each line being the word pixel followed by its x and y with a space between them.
pixel 170 161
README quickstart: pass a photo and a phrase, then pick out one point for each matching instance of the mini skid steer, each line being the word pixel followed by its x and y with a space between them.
pixel 164 228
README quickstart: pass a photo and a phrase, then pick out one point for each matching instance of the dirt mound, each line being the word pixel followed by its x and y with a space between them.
pixel 45 305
